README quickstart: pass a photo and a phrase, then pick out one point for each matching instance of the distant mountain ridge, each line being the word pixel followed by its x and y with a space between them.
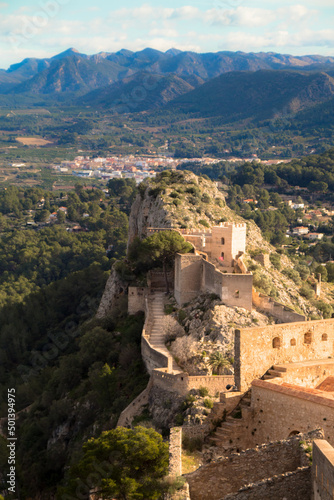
pixel 231 85
pixel 72 70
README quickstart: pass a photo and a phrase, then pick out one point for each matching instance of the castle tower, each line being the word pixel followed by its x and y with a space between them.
pixel 228 241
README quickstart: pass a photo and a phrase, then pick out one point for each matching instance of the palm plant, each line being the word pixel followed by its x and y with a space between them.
pixel 218 362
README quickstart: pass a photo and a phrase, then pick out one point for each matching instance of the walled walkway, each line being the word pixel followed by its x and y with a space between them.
pixel 157 331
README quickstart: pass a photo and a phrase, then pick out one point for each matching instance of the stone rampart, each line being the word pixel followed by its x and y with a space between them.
pixel 156 280
pixel 294 485
pixel 258 349
pixel 193 275
pixel 228 474
pixel 188 277
pixel 175 449
pixel 307 373
pixel 152 357
pixel 134 408
pixel 136 299
pixel 280 410
pixel 279 311
pixel 323 470
pixel 182 383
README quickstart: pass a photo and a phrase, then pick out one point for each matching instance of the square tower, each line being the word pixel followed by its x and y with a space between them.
pixel 228 242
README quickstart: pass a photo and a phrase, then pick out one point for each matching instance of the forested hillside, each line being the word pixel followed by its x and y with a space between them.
pixel 72 374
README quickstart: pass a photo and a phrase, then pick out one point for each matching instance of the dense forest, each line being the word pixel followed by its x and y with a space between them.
pixel 72 374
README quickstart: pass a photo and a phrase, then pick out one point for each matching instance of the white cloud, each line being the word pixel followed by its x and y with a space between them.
pixel 163 32
pixel 280 39
pixel 255 17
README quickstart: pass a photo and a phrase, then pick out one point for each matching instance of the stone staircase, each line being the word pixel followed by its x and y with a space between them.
pixel 274 372
pixel 156 331
pixel 224 435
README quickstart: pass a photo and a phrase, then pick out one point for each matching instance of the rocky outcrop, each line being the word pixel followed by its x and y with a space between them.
pixel 147 211
pixel 115 289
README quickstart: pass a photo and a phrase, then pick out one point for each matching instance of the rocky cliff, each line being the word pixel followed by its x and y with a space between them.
pixel 185 201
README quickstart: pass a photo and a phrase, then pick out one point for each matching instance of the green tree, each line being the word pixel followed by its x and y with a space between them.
pixel 322 270
pixel 162 247
pixel 122 464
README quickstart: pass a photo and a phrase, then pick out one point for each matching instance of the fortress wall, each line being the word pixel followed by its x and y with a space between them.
pixel 238 239
pixel 308 374
pixel 255 354
pixel 279 410
pixel 136 299
pixel 188 277
pixel 323 470
pixel 175 448
pixel 294 485
pixel 135 407
pixel 182 383
pixel 267 305
pixel 229 474
pixel 237 290
pixel 233 289
pixel 152 358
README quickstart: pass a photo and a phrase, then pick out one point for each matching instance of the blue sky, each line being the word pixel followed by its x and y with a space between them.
pixel 42 28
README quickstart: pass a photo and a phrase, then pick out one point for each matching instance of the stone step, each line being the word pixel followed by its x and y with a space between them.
pixel 275 373
pixel 280 368
pixel 268 377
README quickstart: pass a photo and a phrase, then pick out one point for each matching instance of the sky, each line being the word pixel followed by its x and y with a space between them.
pixel 43 28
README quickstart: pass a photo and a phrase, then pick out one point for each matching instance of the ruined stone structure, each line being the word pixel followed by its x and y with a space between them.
pixel 274 470
pixel 281 313
pixel 195 275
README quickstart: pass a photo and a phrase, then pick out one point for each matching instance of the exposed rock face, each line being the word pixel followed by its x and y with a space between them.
pixel 148 211
pixel 115 288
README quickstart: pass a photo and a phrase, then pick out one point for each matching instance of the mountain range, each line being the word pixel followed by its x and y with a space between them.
pixel 234 85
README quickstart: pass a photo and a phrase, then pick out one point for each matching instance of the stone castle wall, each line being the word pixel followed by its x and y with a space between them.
pixel 226 475
pixel 294 485
pixel 182 383
pixel 224 243
pixel 136 299
pixel 258 349
pixel 323 470
pixel 279 410
pixel 194 275
pixel 188 277
pixel 282 313
pixel 175 449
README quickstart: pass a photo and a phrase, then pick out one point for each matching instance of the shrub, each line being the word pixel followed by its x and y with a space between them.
pixel 293 275
pixel 325 308
pixel 182 315
pixel 306 291
pixel 275 259
pixel 206 198
pixel 204 223
pixel 192 444
pixel 208 403
pixel 177 203
pixel 203 391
